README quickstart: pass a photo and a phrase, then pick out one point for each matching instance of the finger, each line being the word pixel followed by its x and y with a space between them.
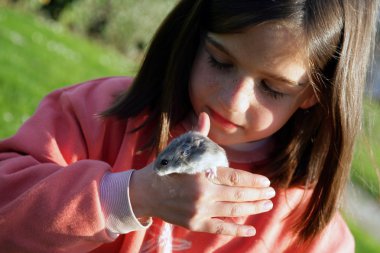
pixel 243 194
pixel 235 177
pixel 203 124
pixel 227 209
pixel 217 226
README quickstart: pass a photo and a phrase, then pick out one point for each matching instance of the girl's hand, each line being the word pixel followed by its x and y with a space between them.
pixel 197 202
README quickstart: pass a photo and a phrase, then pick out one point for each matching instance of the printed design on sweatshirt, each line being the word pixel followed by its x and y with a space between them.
pixel 164 241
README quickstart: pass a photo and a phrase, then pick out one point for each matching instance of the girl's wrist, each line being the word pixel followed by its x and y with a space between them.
pixel 139 193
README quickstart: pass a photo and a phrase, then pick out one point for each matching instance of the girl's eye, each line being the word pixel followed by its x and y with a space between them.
pixel 268 90
pixel 217 64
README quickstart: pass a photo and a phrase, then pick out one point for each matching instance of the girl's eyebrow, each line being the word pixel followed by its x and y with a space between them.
pixel 217 45
pixel 283 79
pixel 273 76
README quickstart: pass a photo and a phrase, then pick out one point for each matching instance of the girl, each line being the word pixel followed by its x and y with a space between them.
pixel 277 83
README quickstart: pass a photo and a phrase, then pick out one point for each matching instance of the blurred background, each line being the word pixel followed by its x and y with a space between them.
pixel 48 44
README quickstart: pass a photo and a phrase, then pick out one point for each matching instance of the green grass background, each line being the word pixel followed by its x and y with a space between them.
pixel 366 161
pixel 37 57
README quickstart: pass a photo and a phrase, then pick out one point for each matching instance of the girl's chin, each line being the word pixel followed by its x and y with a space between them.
pixel 223 138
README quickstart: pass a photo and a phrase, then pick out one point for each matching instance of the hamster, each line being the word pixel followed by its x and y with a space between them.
pixel 191 153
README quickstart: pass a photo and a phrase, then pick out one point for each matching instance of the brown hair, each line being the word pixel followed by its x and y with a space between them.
pixel 316 145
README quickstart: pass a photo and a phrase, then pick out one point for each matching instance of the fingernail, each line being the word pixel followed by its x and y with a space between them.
pixel 265 182
pixel 251 232
pixel 270 193
pixel 268 205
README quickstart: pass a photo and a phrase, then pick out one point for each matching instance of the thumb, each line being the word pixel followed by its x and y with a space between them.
pixel 203 124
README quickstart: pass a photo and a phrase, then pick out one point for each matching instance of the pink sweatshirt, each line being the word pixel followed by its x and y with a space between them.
pixel 64 188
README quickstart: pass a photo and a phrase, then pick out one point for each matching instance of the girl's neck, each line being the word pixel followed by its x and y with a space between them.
pixel 250 152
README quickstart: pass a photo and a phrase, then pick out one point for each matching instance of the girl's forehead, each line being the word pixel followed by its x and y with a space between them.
pixel 275 37
pixel 266 46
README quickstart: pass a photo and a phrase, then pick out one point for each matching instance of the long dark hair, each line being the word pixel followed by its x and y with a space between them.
pixel 315 146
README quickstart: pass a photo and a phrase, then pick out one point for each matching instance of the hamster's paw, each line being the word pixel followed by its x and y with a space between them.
pixel 211 173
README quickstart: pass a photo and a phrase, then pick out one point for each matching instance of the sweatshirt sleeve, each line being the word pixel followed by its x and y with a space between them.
pixel 117 208
pixel 50 176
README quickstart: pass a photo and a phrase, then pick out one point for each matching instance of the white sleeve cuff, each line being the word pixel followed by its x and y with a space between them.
pixel 116 204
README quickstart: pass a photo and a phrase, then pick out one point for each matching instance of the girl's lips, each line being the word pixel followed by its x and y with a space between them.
pixel 220 120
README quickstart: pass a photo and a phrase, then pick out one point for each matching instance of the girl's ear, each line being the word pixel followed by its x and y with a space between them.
pixel 310 99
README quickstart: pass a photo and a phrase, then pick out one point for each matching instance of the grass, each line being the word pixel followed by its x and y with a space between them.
pixel 364 242
pixel 38 57
pixel 366 162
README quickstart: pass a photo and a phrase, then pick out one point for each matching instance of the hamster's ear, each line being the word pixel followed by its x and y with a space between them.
pixel 203 124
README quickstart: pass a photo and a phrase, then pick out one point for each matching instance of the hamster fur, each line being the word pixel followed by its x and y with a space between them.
pixel 190 153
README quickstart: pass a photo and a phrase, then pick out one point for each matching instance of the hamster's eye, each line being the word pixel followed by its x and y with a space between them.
pixel 164 162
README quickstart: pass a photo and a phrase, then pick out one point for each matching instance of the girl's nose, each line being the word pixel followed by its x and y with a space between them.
pixel 236 96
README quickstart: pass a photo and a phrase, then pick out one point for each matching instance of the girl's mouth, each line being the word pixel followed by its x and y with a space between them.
pixel 221 121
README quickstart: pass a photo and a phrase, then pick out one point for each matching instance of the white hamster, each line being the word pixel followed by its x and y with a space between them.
pixel 191 153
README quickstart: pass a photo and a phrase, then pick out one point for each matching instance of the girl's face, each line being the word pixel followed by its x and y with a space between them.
pixel 250 83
